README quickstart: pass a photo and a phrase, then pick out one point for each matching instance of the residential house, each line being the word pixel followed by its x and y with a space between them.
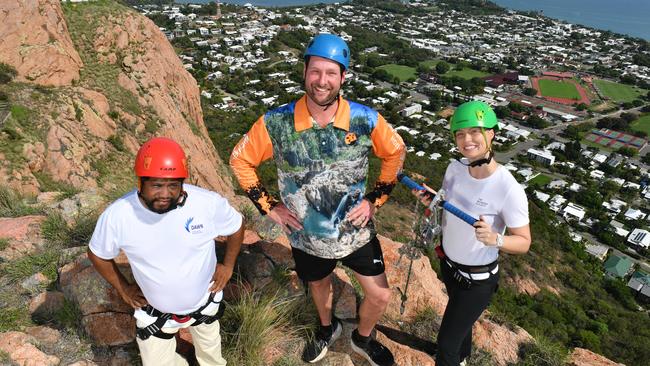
pixel 640 283
pixel 617 266
pixel 634 214
pixel 597 250
pixel 573 211
pixel 639 238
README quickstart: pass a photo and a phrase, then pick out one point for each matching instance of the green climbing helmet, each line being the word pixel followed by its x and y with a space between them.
pixel 473 114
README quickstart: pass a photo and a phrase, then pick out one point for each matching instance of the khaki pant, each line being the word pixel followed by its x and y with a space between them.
pixel 162 352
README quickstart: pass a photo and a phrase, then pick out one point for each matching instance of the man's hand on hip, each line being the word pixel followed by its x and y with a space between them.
pixel 132 295
pixel 220 277
pixel 284 217
pixel 361 213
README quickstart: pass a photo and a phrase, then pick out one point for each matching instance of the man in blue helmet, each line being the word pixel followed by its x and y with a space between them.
pixel 321 144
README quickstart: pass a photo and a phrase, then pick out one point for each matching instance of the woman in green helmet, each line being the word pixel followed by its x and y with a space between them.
pixel 481 187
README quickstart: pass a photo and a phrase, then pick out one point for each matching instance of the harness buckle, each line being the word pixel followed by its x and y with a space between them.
pixel 183 319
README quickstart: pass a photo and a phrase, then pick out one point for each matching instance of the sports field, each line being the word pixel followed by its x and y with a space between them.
pixel 466 73
pixel 618 92
pixel 430 63
pixel 402 72
pixel 558 89
pixel 642 124
pixel 541 180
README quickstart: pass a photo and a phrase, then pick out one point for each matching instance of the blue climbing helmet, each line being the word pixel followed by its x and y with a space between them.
pixel 331 47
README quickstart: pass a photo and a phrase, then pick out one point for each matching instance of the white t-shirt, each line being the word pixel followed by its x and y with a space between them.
pixel 172 255
pixel 498 198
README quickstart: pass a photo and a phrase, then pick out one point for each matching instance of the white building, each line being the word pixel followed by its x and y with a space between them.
pixel 543 156
pixel 597 250
pixel 639 238
pixel 573 211
pixel 410 110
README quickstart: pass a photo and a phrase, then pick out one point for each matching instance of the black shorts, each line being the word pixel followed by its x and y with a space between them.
pixel 367 261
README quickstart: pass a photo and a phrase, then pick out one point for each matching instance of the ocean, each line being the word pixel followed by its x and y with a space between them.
pixel 631 17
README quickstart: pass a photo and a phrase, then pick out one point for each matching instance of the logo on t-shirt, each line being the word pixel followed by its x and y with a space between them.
pixel 193 228
pixel 481 203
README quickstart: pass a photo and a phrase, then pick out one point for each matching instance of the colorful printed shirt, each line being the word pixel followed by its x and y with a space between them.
pixel 321 171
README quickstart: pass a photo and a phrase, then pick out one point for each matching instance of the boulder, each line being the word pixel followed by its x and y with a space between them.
pixel 345 300
pixel 109 329
pixel 85 287
pixel 44 335
pixel 499 340
pixel 46 304
pixel 23 234
pixel 584 357
pixel 425 290
pixel 35 282
pixel 22 351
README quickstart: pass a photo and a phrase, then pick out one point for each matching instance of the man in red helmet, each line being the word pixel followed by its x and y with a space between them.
pixel 167 229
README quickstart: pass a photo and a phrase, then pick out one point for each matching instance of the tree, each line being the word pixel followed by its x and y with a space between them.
pixel 502 111
pixel 628 151
pixel 442 67
pixel 530 91
pixel 537 122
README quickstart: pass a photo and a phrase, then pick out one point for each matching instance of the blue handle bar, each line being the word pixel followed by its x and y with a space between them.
pixel 445 205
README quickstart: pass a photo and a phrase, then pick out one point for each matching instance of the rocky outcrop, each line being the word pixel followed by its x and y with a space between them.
pixel 35 40
pixel 584 357
pixel 153 73
pixel 147 93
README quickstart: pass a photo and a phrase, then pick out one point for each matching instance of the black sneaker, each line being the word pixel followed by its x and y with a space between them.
pixel 374 352
pixel 317 348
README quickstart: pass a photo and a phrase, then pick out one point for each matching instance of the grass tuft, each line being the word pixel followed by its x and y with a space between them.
pixel 260 321
pixel 542 352
pixel 68 316
pixel 4 243
pixel 13 318
pixel 56 231
pixel 12 204
pixel 45 262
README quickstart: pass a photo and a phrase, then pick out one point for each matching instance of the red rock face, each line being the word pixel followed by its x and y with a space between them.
pixel 36 41
pixel 584 357
pixel 23 233
pixel 40 48
pixel 21 350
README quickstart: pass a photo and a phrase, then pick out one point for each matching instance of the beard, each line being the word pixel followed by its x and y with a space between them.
pixel 151 205
pixel 320 99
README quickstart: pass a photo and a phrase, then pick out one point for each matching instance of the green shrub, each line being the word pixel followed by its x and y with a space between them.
pixel 117 142
pixel 542 352
pixel 7 73
pixel 12 204
pixel 48 184
pixel 56 231
pixel 4 243
pixel 68 316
